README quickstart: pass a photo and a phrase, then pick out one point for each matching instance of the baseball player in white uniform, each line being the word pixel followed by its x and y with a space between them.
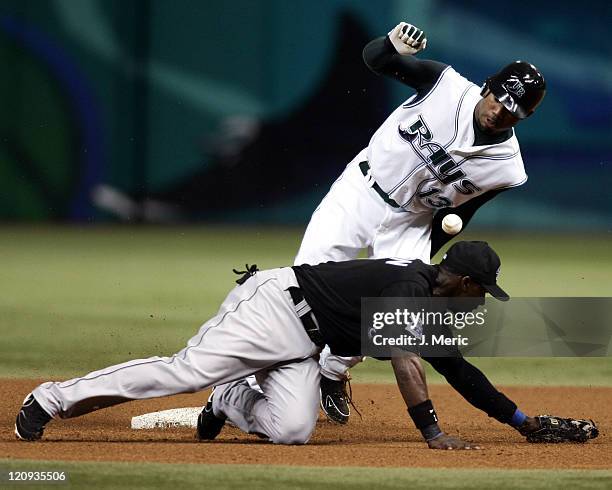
pixel 449 148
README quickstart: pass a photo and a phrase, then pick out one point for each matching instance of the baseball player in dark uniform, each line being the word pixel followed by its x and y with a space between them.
pixel 273 325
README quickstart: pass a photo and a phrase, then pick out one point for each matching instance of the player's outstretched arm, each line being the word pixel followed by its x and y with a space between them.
pixel 392 55
pixel 410 378
pixel 473 385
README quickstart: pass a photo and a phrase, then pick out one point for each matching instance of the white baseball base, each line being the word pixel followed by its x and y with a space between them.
pixel 166 419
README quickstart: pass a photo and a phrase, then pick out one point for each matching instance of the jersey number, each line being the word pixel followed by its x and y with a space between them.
pixel 439 163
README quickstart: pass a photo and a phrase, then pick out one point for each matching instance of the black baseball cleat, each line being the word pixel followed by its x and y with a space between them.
pixel 31 420
pixel 334 400
pixel 209 425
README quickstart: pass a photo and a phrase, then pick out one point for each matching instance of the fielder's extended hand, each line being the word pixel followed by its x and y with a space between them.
pixel 445 441
pixel 407 39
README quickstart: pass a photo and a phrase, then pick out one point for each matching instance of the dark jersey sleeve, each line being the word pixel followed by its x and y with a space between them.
pixel 465 211
pixel 474 386
pixel 382 58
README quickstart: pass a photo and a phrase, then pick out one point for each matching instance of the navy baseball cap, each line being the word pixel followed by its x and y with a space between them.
pixel 479 261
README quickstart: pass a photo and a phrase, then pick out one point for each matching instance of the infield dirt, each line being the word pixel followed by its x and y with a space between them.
pixel 384 437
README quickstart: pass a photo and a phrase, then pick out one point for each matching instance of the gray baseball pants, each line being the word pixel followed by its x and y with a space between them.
pixel 256 331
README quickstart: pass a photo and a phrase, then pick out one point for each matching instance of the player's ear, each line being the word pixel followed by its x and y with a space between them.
pixel 466 282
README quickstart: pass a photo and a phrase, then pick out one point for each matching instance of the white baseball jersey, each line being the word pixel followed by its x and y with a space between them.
pixel 423 154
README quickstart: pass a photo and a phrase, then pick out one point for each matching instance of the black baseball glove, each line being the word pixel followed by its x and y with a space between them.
pixel 557 429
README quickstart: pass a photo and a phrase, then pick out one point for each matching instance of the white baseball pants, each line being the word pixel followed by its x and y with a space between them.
pixel 255 331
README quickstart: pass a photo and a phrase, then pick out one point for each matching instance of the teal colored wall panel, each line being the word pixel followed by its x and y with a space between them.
pixel 134 94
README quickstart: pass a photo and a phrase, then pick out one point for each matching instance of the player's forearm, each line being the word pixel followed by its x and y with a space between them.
pixel 474 386
pixel 382 58
pixel 378 54
pixel 410 377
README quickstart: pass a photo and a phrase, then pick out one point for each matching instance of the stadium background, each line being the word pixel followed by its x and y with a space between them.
pixel 231 121
pixel 181 102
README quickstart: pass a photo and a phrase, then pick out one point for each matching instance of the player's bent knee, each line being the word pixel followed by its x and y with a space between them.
pixel 300 436
pixel 293 432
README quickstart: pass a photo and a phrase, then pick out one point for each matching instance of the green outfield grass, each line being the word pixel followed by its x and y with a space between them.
pixel 536 371
pixel 77 299
pixel 151 475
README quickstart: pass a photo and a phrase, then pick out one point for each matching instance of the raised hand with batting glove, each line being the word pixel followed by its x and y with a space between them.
pixel 407 39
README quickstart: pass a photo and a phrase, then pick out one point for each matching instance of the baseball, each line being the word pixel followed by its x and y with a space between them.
pixel 452 224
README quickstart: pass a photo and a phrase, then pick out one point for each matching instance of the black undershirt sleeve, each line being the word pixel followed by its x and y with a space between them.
pixel 465 211
pixel 474 386
pixel 382 58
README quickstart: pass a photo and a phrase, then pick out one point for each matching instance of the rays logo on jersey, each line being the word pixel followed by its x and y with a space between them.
pixel 441 165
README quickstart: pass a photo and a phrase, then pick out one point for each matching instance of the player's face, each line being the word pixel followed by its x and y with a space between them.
pixel 492 117
pixel 470 295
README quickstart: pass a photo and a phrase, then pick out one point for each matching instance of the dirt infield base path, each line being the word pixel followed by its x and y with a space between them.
pixel 384 437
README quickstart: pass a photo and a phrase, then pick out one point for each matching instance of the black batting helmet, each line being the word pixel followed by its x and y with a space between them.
pixel 519 87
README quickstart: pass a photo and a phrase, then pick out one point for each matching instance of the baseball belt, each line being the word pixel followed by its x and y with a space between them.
pixel 309 321
pixel 365 170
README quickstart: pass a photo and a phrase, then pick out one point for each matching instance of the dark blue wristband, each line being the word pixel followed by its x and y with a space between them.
pixel 518 418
